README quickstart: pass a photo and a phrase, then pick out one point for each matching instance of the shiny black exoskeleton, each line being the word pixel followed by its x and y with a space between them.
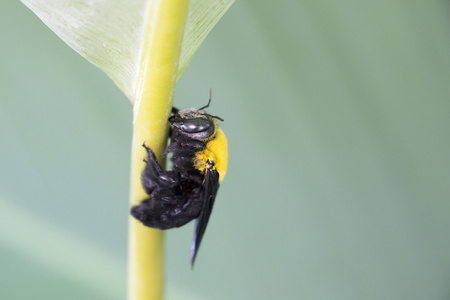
pixel 185 193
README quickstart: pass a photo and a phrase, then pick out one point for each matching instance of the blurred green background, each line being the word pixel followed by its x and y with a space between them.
pixel 337 115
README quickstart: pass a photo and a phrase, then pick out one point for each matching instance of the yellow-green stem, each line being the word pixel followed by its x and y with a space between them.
pixel 152 106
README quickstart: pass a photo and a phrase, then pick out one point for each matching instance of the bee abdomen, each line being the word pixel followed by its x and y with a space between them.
pixel 164 211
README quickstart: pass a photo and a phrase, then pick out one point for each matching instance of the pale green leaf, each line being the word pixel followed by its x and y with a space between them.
pixel 110 34
pixel 203 15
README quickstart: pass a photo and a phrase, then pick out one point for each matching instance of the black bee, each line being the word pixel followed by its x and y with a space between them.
pixel 187 192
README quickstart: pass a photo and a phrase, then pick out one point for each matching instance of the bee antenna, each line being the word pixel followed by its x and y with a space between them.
pixel 211 116
pixel 218 118
pixel 209 101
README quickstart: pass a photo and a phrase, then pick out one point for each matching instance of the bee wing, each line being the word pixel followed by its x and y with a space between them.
pixel 208 195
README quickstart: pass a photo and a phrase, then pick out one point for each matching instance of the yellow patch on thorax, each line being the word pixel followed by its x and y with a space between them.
pixel 216 151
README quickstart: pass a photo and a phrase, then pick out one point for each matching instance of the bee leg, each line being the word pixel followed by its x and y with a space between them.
pixel 167 206
pixel 154 176
pixel 171 148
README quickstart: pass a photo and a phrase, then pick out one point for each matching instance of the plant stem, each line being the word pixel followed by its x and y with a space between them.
pixel 152 107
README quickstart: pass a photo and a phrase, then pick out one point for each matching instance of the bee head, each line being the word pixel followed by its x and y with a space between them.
pixel 196 123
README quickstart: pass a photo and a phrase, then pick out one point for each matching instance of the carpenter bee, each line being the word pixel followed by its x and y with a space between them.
pixel 187 192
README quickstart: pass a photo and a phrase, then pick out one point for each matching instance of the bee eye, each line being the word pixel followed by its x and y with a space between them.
pixel 193 125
